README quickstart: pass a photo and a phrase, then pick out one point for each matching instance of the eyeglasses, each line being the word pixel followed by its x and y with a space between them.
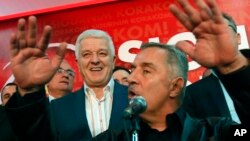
pixel 69 72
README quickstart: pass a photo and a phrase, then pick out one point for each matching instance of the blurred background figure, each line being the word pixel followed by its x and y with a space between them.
pixel 121 74
pixel 6 133
pixel 7 91
pixel 222 97
pixel 62 82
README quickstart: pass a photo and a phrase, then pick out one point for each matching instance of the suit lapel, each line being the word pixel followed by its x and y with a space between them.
pixel 80 105
pixel 219 97
pixel 120 102
pixel 193 130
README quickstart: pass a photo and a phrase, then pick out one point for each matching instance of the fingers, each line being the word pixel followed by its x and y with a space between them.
pixel 205 12
pixel 21 33
pixel 217 15
pixel 186 47
pixel 45 38
pixel 31 39
pixel 24 41
pixel 191 17
pixel 18 40
pixel 57 59
pixel 183 18
pixel 190 12
pixel 13 45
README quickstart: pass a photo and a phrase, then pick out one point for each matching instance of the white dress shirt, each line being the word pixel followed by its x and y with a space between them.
pixel 98 112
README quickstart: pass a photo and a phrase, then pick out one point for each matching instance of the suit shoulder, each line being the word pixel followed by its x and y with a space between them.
pixel 118 86
pixel 205 82
pixel 69 97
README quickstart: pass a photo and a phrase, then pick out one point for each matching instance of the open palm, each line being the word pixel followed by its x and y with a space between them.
pixel 216 44
pixel 30 65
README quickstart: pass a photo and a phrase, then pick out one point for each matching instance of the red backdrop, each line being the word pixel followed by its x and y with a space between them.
pixel 129 22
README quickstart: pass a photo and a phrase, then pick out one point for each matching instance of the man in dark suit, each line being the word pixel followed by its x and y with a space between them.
pixel 26 56
pixel 205 98
pixel 79 116
pixel 208 96
pixel 159 77
pixel 6 132
pixel 7 91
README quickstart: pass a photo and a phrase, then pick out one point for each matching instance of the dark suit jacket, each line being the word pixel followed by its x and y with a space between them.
pixel 64 119
pixel 205 98
pixel 192 130
pixel 6 133
pixel 70 115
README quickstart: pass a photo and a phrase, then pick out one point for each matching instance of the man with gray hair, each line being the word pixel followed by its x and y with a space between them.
pixel 81 115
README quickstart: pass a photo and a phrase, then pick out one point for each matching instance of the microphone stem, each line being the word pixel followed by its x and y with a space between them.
pixel 136 129
pixel 135 136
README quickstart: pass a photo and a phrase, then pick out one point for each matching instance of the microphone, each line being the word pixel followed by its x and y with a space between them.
pixel 136 106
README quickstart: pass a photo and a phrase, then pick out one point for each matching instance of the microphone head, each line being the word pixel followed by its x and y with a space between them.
pixel 136 106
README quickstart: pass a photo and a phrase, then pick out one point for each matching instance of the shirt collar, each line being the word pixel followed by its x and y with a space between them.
pixel 50 97
pixel 109 87
pixel 177 118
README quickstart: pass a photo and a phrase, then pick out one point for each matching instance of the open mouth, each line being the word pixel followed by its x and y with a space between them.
pixel 96 69
pixel 131 94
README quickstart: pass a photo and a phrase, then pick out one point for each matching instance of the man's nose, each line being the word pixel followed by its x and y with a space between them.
pixel 95 59
pixel 132 78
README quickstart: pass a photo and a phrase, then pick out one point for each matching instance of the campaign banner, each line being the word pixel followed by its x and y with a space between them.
pixel 129 22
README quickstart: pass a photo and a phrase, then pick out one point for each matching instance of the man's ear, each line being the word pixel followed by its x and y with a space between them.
pixel 238 38
pixel 114 61
pixel 176 87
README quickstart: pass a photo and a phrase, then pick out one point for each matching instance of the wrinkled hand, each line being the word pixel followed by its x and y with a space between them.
pixel 215 46
pixel 30 65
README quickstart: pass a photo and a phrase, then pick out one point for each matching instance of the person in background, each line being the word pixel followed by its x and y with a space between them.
pixel 213 91
pixel 6 132
pixel 62 82
pixel 81 115
pixel 7 91
pixel 120 74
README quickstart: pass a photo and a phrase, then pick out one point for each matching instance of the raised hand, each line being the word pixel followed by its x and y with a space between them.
pixel 216 44
pixel 30 65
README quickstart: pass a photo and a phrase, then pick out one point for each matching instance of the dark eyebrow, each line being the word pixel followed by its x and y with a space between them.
pixel 132 66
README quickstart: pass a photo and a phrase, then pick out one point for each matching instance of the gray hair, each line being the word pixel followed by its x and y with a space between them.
pixel 96 34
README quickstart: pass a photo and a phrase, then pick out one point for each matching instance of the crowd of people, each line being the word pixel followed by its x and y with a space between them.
pixel 205 110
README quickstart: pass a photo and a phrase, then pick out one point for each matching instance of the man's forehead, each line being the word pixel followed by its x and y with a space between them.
pixel 10 87
pixel 143 61
pixel 94 41
pixel 90 49
pixel 151 53
pixel 65 65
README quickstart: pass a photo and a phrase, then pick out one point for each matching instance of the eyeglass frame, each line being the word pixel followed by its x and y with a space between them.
pixel 68 71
